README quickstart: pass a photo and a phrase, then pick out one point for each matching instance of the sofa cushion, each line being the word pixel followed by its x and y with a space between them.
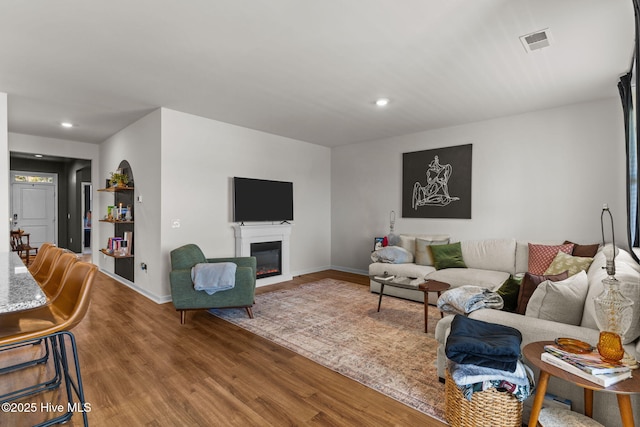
pixel 561 301
pixel 491 254
pixel 400 270
pixel 584 250
pixel 541 256
pixel 392 255
pixel 455 277
pixel 408 241
pixel 447 256
pixel 628 274
pixel 529 285
pixel 423 253
pixel 565 262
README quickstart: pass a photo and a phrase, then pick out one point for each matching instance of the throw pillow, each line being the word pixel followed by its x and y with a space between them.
pixel 423 254
pixel 529 285
pixel 540 256
pixel 565 262
pixel 447 256
pixel 561 301
pixel 509 293
pixel 584 250
pixel 392 255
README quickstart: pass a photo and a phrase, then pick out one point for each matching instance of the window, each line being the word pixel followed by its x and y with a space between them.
pixel 33 179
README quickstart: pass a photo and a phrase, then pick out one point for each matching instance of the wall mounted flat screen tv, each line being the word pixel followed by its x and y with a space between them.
pixel 262 200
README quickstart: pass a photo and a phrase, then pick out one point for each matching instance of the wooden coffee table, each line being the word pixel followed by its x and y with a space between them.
pixel 623 390
pixel 409 283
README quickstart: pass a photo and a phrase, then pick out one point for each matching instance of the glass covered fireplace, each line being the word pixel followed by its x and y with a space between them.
pixel 269 258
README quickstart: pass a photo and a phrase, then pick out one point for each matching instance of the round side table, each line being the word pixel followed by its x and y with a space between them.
pixel 623 390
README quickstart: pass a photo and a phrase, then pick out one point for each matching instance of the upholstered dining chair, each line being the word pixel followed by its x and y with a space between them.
pixel 52 323
pixel 52 285
pixel 185 297
pixel 47 264
pixel 37 261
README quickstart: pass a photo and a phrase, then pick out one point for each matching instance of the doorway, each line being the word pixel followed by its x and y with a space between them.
pixel 34 205
pixel 86 205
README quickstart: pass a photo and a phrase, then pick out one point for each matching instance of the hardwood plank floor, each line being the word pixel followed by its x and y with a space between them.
pixel 141 367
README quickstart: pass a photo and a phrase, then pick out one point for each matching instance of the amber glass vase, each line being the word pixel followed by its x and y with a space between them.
pixel 613 316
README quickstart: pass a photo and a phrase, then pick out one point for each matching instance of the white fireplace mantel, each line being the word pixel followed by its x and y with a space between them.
pixel 248 234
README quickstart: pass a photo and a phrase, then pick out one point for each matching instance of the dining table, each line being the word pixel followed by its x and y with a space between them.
pixel 18 289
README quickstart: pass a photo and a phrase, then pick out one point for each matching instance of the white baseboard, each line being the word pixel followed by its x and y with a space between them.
pixel 158 300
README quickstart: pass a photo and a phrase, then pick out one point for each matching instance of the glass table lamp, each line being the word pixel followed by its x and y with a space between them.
pixel 612 308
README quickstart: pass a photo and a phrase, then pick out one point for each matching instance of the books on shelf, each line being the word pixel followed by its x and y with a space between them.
pixel 591 362
pixel 603 380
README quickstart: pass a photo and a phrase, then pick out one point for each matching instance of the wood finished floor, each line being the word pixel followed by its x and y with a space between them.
pixel 142 368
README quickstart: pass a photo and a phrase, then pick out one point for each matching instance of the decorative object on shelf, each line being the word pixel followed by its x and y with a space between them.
pixel 119 179
pixel 392 239
pixel 613 309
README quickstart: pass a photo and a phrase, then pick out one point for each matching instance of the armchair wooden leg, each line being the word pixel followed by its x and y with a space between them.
pixel 249 312
pixel 183 316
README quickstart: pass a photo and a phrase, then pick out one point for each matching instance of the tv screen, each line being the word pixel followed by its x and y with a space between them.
pixel 262 200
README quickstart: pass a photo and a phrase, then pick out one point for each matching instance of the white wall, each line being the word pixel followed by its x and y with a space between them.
pixel 200 157
pixel 4 178
pixel 540 176
pixel 139 144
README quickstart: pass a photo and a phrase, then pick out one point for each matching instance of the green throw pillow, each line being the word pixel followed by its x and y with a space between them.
pixel 447 256
pixel 509 293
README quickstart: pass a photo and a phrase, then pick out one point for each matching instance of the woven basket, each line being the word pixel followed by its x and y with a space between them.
pixel 488 408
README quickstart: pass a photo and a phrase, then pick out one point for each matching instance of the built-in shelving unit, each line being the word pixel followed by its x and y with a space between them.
pixel 123 196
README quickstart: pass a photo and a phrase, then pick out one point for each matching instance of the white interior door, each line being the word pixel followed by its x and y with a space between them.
pixel 33 205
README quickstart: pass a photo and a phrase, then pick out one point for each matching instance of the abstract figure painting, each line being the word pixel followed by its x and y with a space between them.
pixel 437 183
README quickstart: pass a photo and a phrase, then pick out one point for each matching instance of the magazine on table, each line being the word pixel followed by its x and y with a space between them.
pixel 591 362
pixel 603 380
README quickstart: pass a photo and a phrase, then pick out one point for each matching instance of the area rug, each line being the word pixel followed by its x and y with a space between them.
pixel 335 324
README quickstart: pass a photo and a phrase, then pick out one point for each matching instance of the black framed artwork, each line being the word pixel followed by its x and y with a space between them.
pixel 437 183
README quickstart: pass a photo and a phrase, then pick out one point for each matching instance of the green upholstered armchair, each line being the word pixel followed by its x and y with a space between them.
pixel 185 297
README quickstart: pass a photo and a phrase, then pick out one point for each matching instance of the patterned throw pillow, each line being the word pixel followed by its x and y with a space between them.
pixel 572 264
pixel 541 256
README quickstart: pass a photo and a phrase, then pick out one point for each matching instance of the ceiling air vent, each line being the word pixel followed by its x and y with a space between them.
pixel 537 40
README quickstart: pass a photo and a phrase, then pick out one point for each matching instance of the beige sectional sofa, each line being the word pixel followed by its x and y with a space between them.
pixel 490 263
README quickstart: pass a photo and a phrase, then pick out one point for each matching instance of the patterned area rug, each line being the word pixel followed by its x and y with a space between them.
pixel 335 324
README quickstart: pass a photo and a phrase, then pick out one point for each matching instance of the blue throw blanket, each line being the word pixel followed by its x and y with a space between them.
pixel 475 342
pixel 214 277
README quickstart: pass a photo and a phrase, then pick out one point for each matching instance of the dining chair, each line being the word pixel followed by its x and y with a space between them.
pixel 53 283
pixel 47 264
pixel 23 248
pixel 37 261
pixel 52 322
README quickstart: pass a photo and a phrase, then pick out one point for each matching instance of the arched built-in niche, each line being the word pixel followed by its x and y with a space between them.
pixel 122 216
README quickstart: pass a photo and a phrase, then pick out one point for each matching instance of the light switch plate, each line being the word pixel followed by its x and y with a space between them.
pixel 175 223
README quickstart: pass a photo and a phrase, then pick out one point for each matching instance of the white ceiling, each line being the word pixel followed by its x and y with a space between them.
pixel 308 70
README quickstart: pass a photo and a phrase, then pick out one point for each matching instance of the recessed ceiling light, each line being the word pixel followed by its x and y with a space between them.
pixel 382 102
pixel 38 155
pixel 66 124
